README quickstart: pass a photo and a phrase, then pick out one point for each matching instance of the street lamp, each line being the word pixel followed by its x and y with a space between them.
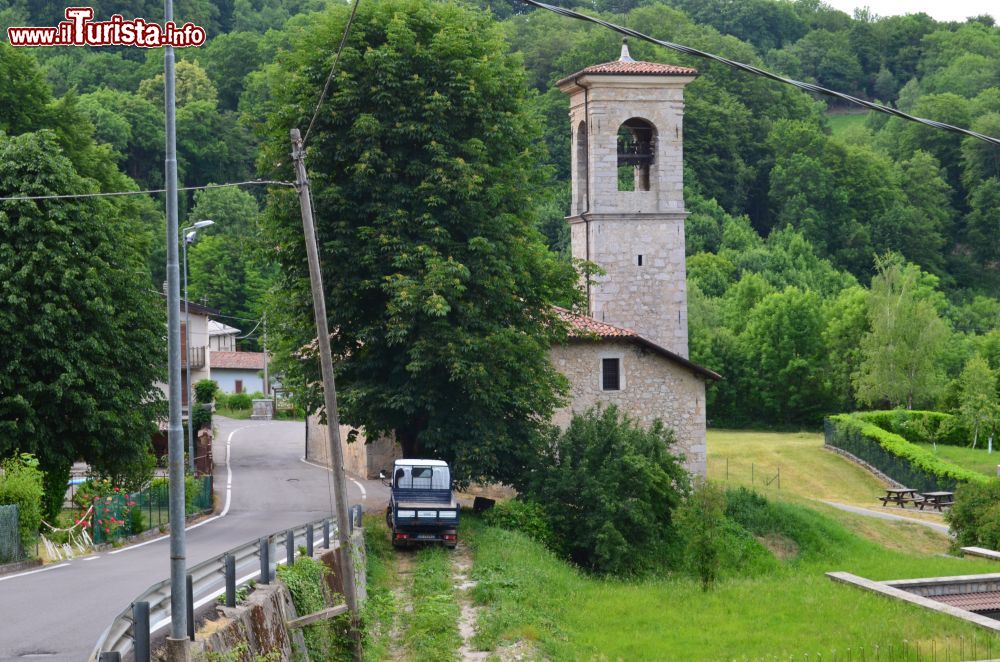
pixel 189 234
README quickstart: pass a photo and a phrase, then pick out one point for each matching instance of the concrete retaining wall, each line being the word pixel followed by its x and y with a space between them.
pixel 361 457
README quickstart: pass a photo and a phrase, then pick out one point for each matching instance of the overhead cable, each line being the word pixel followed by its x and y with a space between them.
pixel 108 194
pixel 757 71
pixel 333 69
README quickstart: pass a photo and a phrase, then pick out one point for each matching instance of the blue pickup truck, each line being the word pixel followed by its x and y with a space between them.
pixel 422 507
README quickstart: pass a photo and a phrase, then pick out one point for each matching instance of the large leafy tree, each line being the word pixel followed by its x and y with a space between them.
pixel 423 162
pixel 900 353
pixel 83 332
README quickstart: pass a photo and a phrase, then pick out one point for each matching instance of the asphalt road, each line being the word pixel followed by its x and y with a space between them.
pixel 59 611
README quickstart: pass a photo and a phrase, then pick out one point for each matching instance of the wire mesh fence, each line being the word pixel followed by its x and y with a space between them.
pixel 123 514
pixel 10 536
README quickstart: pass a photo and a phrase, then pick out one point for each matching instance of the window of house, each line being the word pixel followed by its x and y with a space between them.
pixel 611 374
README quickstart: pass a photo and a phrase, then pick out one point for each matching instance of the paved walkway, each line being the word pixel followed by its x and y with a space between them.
pixel 878 514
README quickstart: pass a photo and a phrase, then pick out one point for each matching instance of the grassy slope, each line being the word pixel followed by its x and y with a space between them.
pixel 975 459
pixel 534 596
pixel 806 469
pixel 842 122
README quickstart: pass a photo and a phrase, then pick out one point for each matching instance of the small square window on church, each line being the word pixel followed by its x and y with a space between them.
pixel 611 374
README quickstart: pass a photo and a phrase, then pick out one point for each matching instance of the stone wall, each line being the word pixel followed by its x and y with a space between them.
pixel 360 458
pixel 651 387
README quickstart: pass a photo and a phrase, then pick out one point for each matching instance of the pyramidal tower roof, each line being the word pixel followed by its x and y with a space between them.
pixel 626 66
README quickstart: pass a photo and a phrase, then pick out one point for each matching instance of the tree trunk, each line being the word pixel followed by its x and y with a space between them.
pixel 408 442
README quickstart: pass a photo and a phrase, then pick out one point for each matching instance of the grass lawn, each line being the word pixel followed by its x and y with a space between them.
pixel 843 122
pixel 974 459
pixel 806 469
pixel 530 595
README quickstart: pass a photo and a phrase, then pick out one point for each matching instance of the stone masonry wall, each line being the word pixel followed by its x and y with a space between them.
pixel 652 387
pixel 360 458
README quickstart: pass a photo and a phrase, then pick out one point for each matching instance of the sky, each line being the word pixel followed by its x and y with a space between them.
pixel 952 10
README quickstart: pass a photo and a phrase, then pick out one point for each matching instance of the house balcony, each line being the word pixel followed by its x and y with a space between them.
pixel 197 358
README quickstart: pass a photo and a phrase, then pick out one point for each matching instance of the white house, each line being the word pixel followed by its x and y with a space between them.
pixel 238 372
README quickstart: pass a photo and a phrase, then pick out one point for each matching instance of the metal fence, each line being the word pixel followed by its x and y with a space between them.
pixel 125 514
pixel 10 535
pixel 208 580
pixel 754 474
pixel 850 439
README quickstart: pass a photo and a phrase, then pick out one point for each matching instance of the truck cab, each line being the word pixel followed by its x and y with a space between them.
pixel 422 507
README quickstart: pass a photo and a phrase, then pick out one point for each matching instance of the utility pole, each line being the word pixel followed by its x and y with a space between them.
pixel 178 646
pixel 267 383
pixel 329 388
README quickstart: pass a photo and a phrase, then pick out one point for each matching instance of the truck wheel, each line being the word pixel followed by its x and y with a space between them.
pixel 388 518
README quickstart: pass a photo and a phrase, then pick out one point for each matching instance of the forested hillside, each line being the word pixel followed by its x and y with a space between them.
pixel 790 219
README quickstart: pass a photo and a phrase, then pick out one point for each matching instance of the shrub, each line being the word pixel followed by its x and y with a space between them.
pixel 521 515
pixel 975 517
pixel 202 416
pixel 90 489
pixel 222 400
pixel 21 484
pixel 204 391
pixel 306 582
pixel 701 522
pixel 609 487
pixel 239 401
pixel 892 454
pixel 922 427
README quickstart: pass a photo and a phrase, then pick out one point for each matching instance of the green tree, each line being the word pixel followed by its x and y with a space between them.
pixel 900 353
pixel 441 290
pixel 701 522
pixel 228 59
pixel 83 333
pixel 624 484
pixel 225 263
pixel 978 396
pixel 192 84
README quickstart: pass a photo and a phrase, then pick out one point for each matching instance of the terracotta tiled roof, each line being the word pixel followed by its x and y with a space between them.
pixel 636 68
pixel 238 360
pixel 582 327
pixel 982 601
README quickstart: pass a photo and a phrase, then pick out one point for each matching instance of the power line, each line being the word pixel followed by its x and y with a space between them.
pixel 108 194
pixel 333 69
pixel 251 330
pixel 757 71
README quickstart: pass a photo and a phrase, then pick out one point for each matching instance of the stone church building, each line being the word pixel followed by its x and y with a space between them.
pixel 627 216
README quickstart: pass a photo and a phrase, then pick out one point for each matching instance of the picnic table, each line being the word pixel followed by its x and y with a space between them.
pixel 937 500
pixel 900 496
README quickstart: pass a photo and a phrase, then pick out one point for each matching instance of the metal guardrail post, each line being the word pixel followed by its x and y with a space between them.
pixel 190 607
pixel 113 656
pixel 230 580
pixel 309 540
pixel 265 561
pixel 290 546
pixel 326 525
pixel 355 516
pixel 140 630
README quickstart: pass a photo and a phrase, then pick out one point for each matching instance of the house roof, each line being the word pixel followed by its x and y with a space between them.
pixel 216 328
pixel 582 327
pixel 237 360
pixel 626 66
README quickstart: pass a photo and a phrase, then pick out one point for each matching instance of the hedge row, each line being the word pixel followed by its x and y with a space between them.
pixel 924 427
pixel 907 463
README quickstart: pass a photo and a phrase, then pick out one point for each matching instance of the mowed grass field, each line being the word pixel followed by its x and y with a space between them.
pixel 841 122
pixel 975 459
pixel 755 459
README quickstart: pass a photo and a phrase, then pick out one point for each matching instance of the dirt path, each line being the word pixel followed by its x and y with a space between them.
pixel 462 576
pixel 404 562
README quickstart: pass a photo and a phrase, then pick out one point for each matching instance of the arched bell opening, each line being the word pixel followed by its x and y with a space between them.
pixel 636 153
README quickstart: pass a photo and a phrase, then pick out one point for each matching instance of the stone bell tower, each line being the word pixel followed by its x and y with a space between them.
pixel 627 212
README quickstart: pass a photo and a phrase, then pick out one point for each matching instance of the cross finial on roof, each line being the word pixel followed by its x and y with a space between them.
pixel 625 57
